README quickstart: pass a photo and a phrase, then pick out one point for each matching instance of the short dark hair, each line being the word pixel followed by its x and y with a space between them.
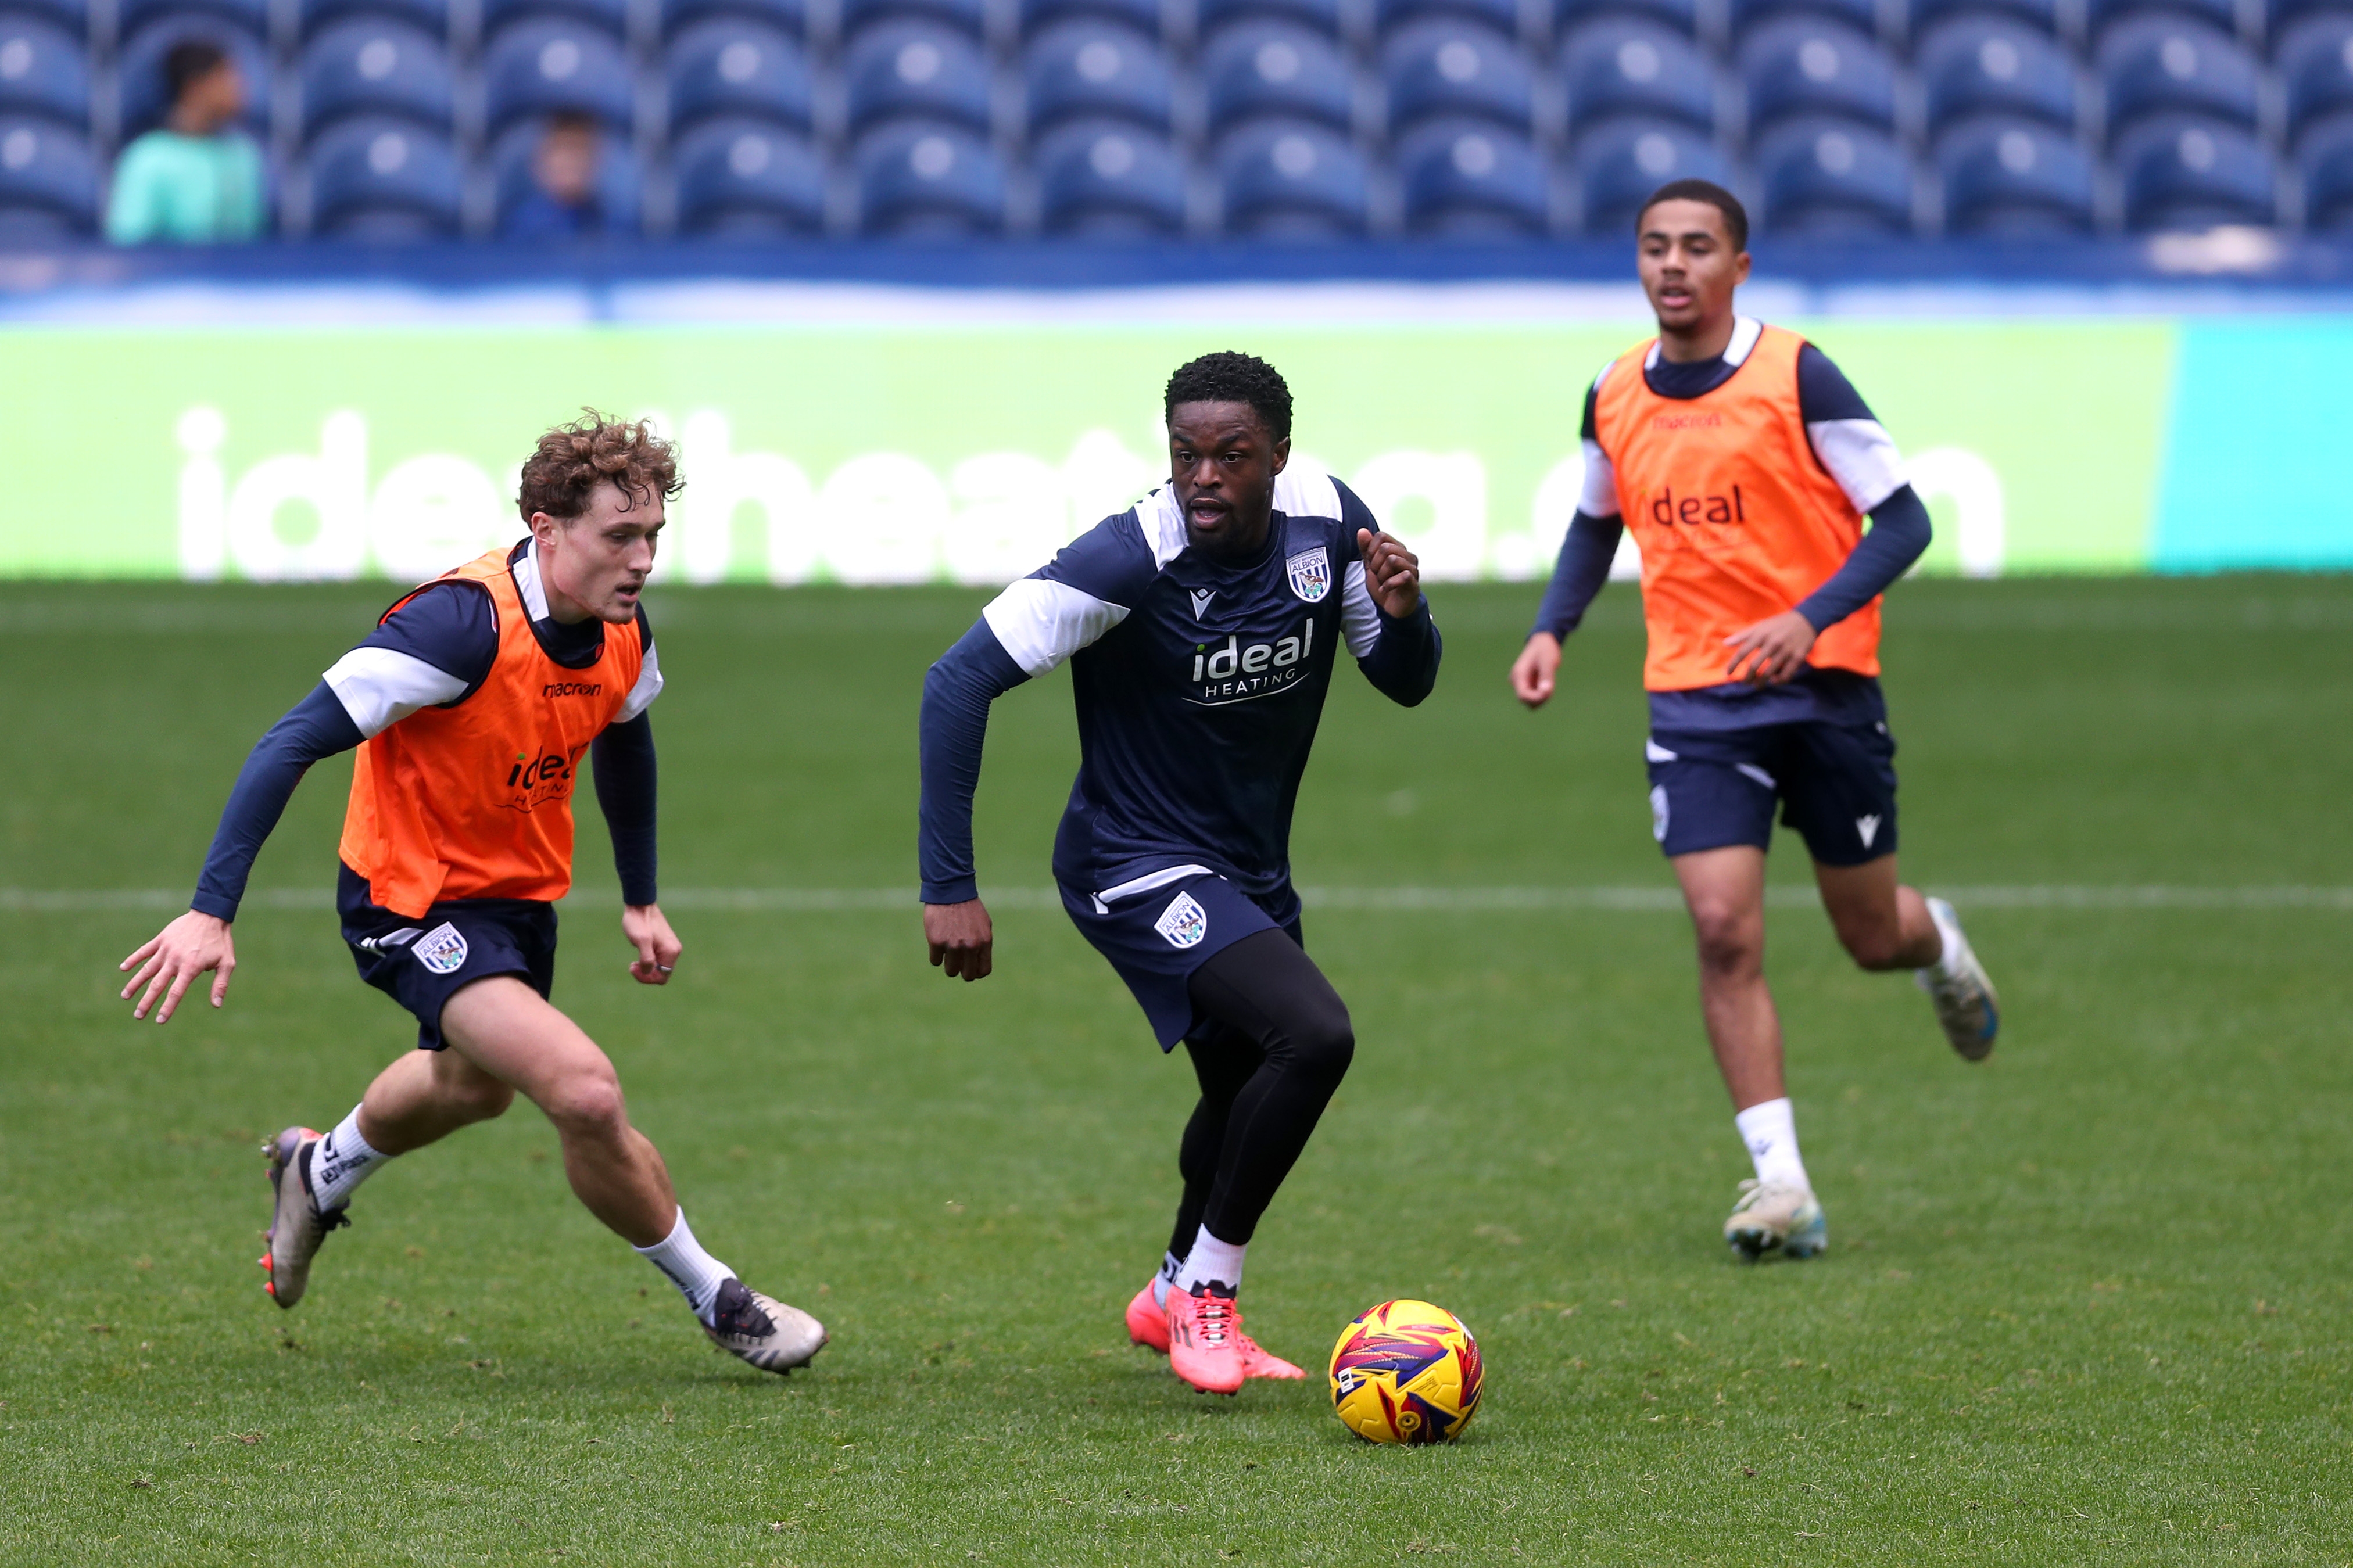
pixel 1227 377
pixel 1736 217
pixel 189 62
pixel 561 475
pixel 572 122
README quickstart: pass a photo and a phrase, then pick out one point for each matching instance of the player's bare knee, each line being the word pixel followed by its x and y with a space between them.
pixel 1731 939
pixel 587 1104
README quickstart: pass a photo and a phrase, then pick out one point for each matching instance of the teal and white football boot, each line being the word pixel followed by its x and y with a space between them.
pixel 1966 1003
pixel 1774 1216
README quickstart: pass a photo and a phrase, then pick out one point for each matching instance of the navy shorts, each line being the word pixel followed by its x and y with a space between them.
pixel 1156 935
pixel 421 964
pixel 1835 785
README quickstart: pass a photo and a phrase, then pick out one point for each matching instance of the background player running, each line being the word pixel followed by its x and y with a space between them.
pixel 1744 464
pixel 1202 626
pixel 472 703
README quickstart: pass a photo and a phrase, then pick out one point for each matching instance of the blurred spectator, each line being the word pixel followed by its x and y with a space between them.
pixel 197 180
pixel 561 202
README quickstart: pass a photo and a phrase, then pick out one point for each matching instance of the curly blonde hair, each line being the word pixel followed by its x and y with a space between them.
pixel 570 460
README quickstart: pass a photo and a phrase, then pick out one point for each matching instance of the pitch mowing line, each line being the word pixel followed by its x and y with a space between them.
pixel 1435 900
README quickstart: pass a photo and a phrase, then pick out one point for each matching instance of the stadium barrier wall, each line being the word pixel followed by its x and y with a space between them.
pixel 967 450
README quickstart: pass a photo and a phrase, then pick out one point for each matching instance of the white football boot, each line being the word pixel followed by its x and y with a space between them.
pixel 762 1331
pixel 297 1228
pixel 1774 1216
pixel 1966 1003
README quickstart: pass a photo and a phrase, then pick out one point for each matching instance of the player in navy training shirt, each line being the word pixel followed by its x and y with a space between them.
pixel 1202 627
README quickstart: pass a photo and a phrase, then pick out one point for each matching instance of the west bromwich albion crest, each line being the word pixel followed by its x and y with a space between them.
pixel 1184 922
pixel 441 950
pixel 1310 573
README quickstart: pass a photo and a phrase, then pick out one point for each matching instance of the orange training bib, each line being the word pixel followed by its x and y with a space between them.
pixel 475 800
pixel 1736 517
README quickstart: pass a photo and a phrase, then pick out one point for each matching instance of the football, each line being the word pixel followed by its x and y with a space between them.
pixel 1406 1371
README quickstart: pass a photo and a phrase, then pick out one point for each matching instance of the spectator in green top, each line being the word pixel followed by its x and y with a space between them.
pixel 197 180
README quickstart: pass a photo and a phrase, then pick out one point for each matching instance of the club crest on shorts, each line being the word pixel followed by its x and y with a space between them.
pixel 1184 922
pixel 1310 573
pixel 441 950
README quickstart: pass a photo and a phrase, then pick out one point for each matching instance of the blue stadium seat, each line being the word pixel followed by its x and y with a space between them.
pixel 375 66
pixel 2191 172
pixel 1626 67
pixel 1811 66
pixel 1748 15
pixel 1142 16
pixel 1619 166
pixel 928 182
pixel 42 70
pixel 2015 176
pixel 1214 16
pixel 1834 178
pixel 1926 15
pixel 1683 16
pixel 1278 68
pixel 2162 65
pixel 1090 69
pixel 790 17
pixel 1293 179
pixel 621 183
pixel 545 66
pixel 250 17
pixel 428 17
pixel 2221 14
pixel 732 65
pixel 2282 14
pixel 139 70
pixel 72 15
pixel 901 70
pixel 1435 68
pixel 969 17
pixel 2316 61
pixel 382 178
pixel 610 17
pixel 1995 65
pixel 49 180
pixel 1106 179
pixel 2325 159
pixel 1470 179
pixel 1499 16
pixel 748 179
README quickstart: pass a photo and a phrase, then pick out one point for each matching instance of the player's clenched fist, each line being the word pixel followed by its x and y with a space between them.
pixel 963 943
pixel 1392 573
pixel 1533 671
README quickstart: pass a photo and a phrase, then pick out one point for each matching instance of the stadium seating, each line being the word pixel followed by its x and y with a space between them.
pixel 790 17
pixel 734 66
pixel 49 180
pixel 1473 179
pixel 72 16
pixel 914 70
pixel 139 69
pixel 620 180
pixel 430 17
pixel 1863 16
pixel 2282 15
pixel 1141 16
pixel 2165 65
pixel 1447 68
pixel 1214 16
pixel 544 65
pixel 250 17
pixel 1926 15
pixel 1619 166
pixel 1683 16
pixel 44 70
pixel 748 178
pixel 1090 69
pixel 1621 66
pixel 1110 180
pixel 2316 64
pixel 1814 67
pixel 1256 68
pixel 1995 65
pixel 2015 176
pixel 1835 177
pixel 377 67
pixel 969 17
pixel 608 16
pixel 380 178
pixel 2103 14
pixel 1500 16
pixel 1293 179
pixel 2325 158
pixel 929 180
pixel 2191 172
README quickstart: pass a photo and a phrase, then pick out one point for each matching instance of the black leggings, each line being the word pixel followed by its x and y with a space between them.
pixel 1277 1045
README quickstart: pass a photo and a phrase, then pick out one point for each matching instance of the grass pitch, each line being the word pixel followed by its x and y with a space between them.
pixel 2085 1303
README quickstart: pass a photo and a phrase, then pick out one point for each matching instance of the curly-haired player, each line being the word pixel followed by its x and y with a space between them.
pixel 472 704
pixel 1202 626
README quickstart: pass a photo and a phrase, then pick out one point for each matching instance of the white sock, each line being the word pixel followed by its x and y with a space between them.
pixel 1171 1266
pixel 1770 1131
pixel 695 1272
pixel 340 1162
pixel 1212 1262
pixel 1944 935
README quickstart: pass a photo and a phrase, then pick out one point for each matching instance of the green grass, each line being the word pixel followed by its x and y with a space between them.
pixel 2085 1303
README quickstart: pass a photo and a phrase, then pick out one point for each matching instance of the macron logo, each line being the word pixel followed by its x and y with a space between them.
pixel 1869 827
pixel 1201 597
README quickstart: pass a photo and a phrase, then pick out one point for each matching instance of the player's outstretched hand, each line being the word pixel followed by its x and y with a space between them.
pixel 1770 651
pixel 1533 671
pixel 963 942
pixel 657 946
pixel 1392 573
pixel 174 956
